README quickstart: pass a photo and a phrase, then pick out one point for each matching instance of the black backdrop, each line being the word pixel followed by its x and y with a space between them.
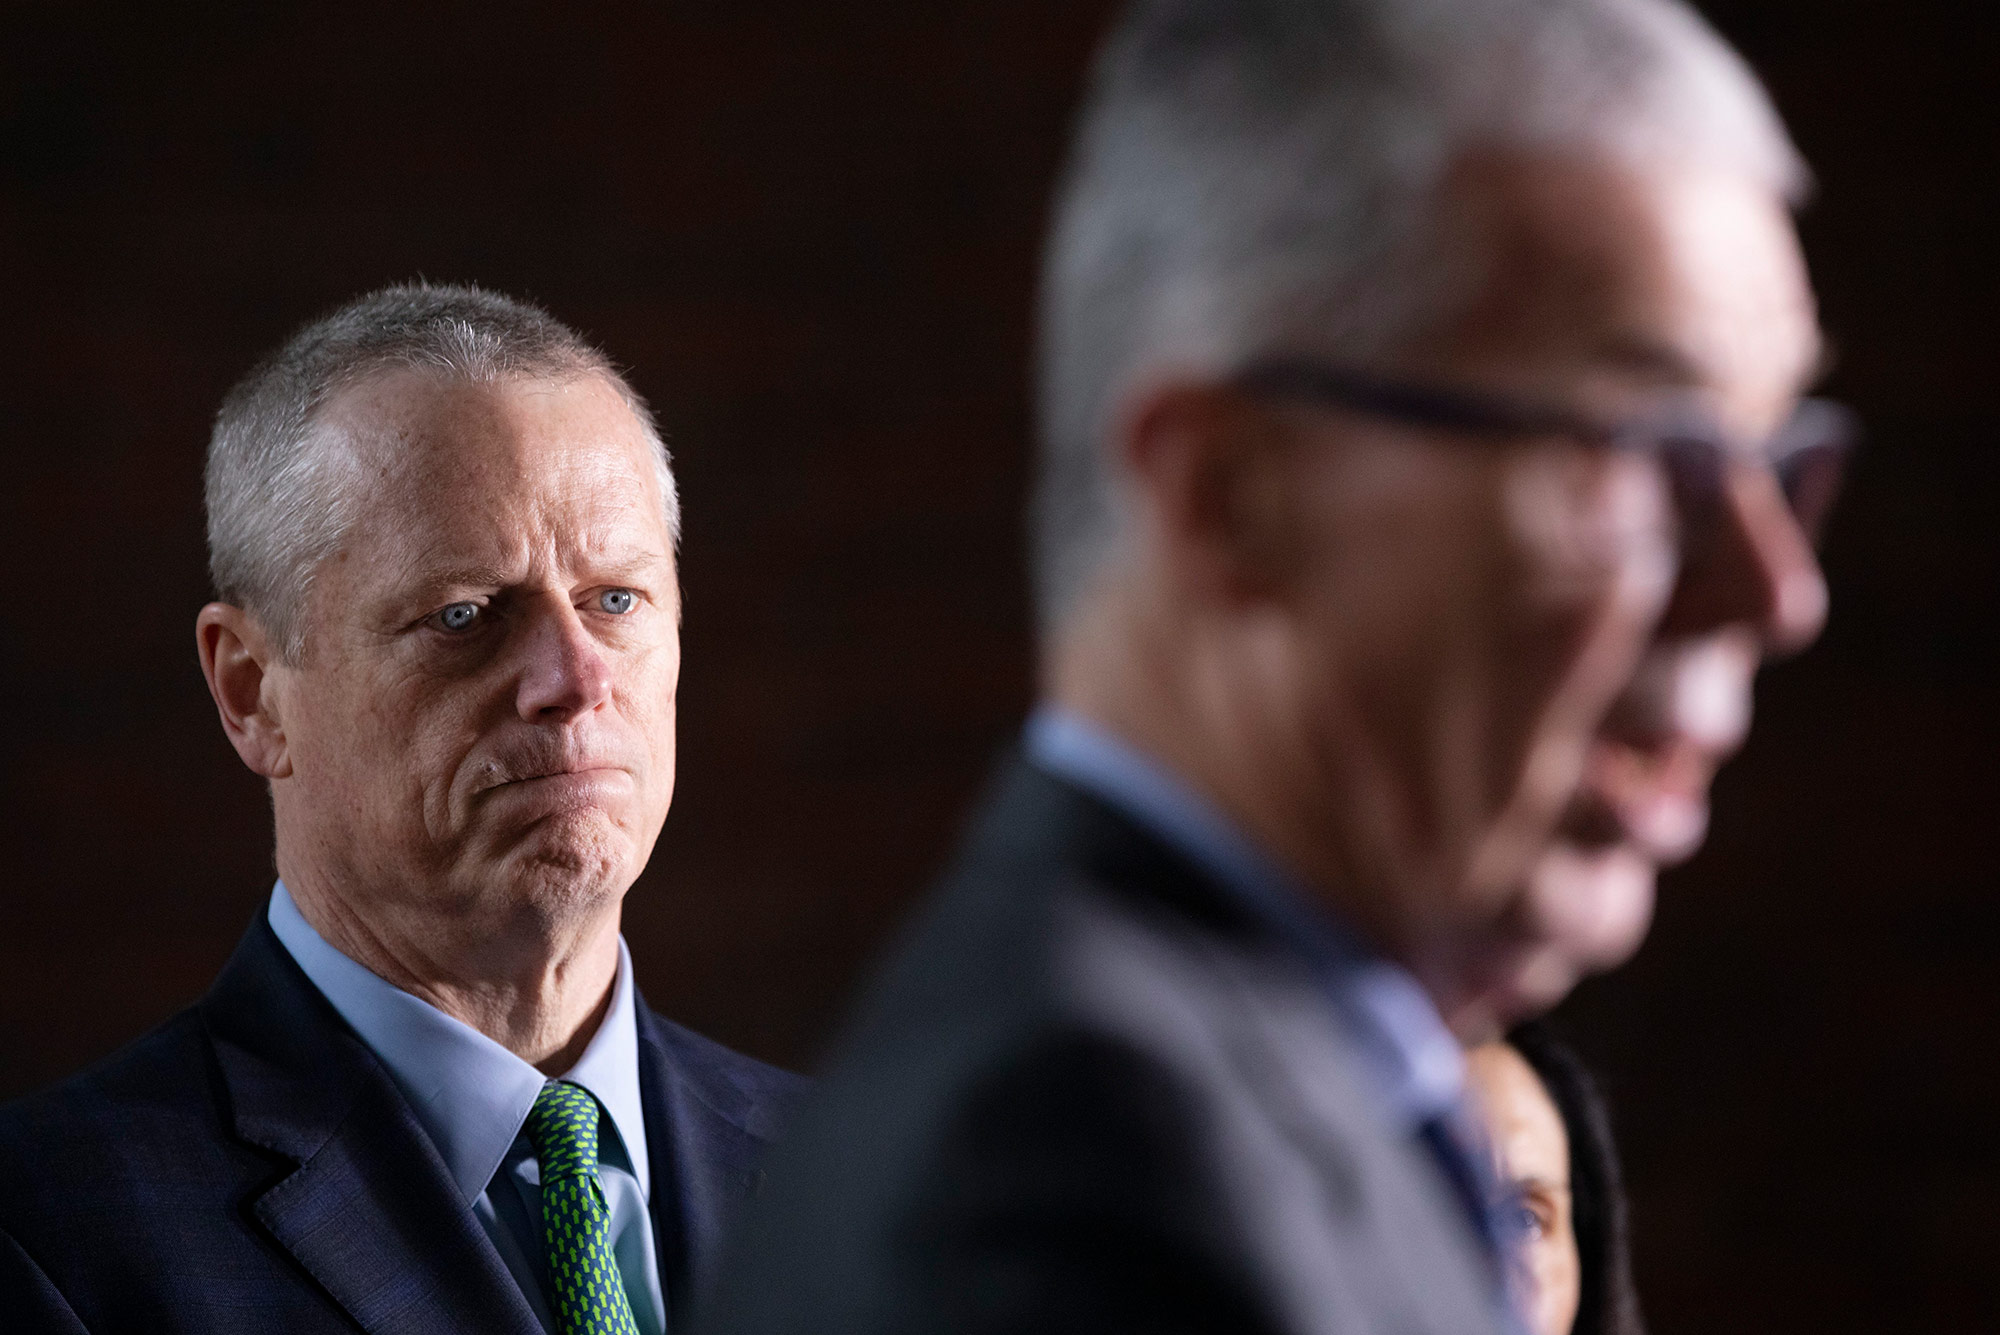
pixel 810 230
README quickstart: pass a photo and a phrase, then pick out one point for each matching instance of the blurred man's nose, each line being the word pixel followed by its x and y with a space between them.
pixel 1758 570
pixel 565 672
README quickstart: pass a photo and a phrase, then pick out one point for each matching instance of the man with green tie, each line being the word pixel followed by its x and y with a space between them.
pixel 424 1095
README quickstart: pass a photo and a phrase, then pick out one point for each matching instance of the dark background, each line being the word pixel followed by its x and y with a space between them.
pixel 810 230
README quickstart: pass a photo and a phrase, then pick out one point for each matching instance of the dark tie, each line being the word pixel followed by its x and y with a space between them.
pixel 1468 1184
pixel 587 1293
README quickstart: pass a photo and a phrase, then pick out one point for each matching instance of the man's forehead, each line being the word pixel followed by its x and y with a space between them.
pixel 412 438
pixel 464 476
pixel 1663 273
pixel 408 410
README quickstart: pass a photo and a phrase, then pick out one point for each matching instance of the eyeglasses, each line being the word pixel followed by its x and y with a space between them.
pixel 1808 454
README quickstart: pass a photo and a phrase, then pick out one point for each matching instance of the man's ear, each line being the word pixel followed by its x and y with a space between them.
pixel 236 658
pixel 1215 469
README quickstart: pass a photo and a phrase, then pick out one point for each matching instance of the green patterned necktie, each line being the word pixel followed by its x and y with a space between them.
pixel 587 1293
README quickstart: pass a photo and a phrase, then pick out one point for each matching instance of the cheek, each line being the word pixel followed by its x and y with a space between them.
pixel 1587 550
pixel 1557 1281
pixel 341 735
pixel 1407 558
pixel 652 687
pixel 1585 570
pixel 394 743
pixel 663 748
pixel 647 706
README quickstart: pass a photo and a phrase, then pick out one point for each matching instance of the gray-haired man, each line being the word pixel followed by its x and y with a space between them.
pixel 424 1095
pixel 1424 477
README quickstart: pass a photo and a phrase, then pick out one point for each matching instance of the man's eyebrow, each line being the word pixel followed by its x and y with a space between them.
pixel 625 563
pixel 1651 357
pixel 1662 361
pixel 478 576
pixel 466 576
pixel 1542 1184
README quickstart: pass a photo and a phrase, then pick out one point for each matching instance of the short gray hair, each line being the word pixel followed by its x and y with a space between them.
pixel 276 500
pixel 1252 173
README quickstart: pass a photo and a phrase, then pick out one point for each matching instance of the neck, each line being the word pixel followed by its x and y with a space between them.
pixel 539 988
pixel 1200 700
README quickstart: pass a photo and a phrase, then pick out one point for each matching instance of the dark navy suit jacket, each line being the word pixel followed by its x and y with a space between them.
pixel 1092 1094
pixel 251 1167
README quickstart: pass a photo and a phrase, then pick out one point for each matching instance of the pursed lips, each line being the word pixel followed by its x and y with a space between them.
pixel 560 774
pixel 580 769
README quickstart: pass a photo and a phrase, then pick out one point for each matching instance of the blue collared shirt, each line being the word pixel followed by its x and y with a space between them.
pixel 1415 1067
pixel 473 1096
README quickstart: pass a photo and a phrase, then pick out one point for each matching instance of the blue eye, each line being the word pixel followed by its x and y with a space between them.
pixel 1521 1219
pixel 617 601
pixel 458 616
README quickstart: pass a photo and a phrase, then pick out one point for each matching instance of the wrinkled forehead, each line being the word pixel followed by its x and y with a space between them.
pixel 438 461
pixel 397 419
pixel 1626 276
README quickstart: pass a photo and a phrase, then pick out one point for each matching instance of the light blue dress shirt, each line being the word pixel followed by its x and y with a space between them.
pixel 473 1097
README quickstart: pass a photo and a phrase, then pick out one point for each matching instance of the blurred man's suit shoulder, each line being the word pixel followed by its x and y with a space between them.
pixel 1089 1093
pixel 251 1166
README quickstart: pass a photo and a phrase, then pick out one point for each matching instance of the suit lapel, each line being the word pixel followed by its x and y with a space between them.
pixel 368 1208
pixel 704 1160
pixel 1287 1047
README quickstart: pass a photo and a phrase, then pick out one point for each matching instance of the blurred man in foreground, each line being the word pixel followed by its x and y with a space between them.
pixel 424 1095
pixel 1424 477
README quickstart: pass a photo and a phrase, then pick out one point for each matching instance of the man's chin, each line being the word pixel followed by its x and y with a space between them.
pixel 575 856
pixel 1584 910
pixel 1587 909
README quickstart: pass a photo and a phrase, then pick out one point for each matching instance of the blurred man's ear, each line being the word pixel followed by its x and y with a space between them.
pixel 1213 469
pixel 236 658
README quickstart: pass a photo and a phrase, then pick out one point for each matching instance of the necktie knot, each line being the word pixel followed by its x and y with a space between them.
pixel 563 1128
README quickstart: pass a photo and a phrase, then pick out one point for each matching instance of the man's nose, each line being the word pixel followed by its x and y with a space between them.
pixel 565 671
pixel 1757 570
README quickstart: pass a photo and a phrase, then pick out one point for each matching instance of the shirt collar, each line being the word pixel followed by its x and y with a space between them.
pixel 471 1095
pixel 1417 1066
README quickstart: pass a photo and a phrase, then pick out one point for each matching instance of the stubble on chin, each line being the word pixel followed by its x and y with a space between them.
pixel 564 867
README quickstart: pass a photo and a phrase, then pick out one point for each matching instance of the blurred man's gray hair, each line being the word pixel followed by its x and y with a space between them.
pixel 1255 176
pixel 277 494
